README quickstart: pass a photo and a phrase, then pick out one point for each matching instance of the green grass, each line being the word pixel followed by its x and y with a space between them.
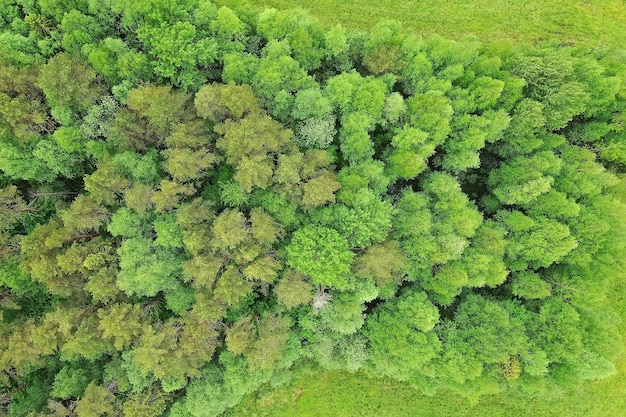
pixel 341 394
pixel 335 394
pixel 595 22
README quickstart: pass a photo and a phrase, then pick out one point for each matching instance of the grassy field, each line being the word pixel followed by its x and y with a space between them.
pixel 596 22
pixel 355 395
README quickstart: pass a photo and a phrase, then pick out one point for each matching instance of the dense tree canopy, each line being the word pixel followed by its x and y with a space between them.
pixel 197 201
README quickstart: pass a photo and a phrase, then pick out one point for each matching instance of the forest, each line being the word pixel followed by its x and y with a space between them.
pixel 199 202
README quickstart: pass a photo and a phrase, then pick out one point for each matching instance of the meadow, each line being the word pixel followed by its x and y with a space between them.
pixel 597 22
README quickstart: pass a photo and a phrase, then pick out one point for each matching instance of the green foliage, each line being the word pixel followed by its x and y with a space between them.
pixel 431 113
pixel 276 79
pixel 485 331
pixel 439 234
pixel 19 163
pixel 250 157
pixel 218 102
pixel 126 223
pixel 59 160
pixel 24 115
pixel 293 290
pixel 529 285
pixel 121 323
pixel 443 213
pixel 322 254
pixel 146 269
pixel 69 83
pixel 384 263
pixel 84 214
pixel 352 93
pixel 410 153
pixel 365 222
pixel 525 178
pixel 147 403
pixel 536 242
pixel 316 127
pixel 159 105
pixel 79 29
pixel 71 382
pixel 401 347
pixel 96 402
pixel 177 52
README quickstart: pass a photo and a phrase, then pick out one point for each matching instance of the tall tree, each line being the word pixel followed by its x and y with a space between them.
pixel 321 253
